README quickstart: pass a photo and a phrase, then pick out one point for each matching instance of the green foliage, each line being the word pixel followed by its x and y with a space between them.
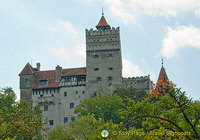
pixel 136 95
pixel 18 120
pixel 171 112
pixel 58 133
pixel 104 107
pixel 85 127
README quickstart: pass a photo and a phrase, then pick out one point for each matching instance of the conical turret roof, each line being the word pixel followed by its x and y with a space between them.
pixel 163 75
pixel 102 25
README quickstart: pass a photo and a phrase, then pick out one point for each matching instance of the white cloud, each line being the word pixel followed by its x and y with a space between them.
pixel 129 69
pixel 61 52
pixel 51 28
pixel 119 9
pixel 181 36
pixel 77 52
pixel 80 50
pixel 70 28
pixel 164 8
pixel 197 12
pixel 51 35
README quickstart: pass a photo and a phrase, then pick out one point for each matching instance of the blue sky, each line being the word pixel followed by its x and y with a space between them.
pixel 53 33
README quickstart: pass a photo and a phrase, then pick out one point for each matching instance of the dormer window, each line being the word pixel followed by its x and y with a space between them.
pixel 43 83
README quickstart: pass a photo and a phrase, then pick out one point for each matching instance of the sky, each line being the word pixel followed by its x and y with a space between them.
pixel 52 32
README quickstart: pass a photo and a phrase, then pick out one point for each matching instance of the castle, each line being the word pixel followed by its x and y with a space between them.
pixel 58 91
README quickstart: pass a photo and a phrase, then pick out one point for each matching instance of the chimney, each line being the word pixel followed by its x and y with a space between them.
pixel 58 73
pixel 38 66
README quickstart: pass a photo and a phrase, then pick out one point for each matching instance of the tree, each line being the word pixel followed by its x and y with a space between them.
pixel 104 107
pixel 18 120
pixel 168 110
pixel 136 95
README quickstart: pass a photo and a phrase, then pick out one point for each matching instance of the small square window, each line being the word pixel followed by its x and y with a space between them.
pixel 65 119
pixel 96 69
pixel 110 78
pixel 71 105
pixel 73 119
pixel 83 92
pixel 65 94
pixel 98 78
pixel 46 108
pixel 50 122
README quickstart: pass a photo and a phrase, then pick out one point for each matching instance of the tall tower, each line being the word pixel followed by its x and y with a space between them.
pixel 103 59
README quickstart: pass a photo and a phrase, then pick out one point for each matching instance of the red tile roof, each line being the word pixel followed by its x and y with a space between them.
pixel 28 69
pixel 163 75
pixel 102 22
pixel 50 76
pixel 74 71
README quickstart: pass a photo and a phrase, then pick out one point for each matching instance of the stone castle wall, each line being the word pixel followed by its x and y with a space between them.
pixel 141 83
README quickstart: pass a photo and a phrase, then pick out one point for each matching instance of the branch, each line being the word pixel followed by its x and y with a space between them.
pixel 185 116
pixel 196 121
pixel 149 116
pixel 85 136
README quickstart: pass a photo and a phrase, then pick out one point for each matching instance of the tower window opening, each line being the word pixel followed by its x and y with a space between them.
pixel 95 56
pixel 110 55
pixel 111 68
pixel 96 69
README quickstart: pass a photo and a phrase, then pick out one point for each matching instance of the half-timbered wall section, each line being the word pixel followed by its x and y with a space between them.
pixel 70 81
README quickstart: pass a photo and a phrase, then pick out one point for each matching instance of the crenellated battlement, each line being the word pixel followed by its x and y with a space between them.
pixel 142 82
pixel 102 39
pixel 92 32
pixel 137 78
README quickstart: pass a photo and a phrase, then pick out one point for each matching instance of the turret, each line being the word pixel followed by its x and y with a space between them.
pixel 26 82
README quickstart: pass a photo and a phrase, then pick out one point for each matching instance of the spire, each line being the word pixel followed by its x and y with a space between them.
pixel 102 11
pixel 102 25
pixel 163 75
